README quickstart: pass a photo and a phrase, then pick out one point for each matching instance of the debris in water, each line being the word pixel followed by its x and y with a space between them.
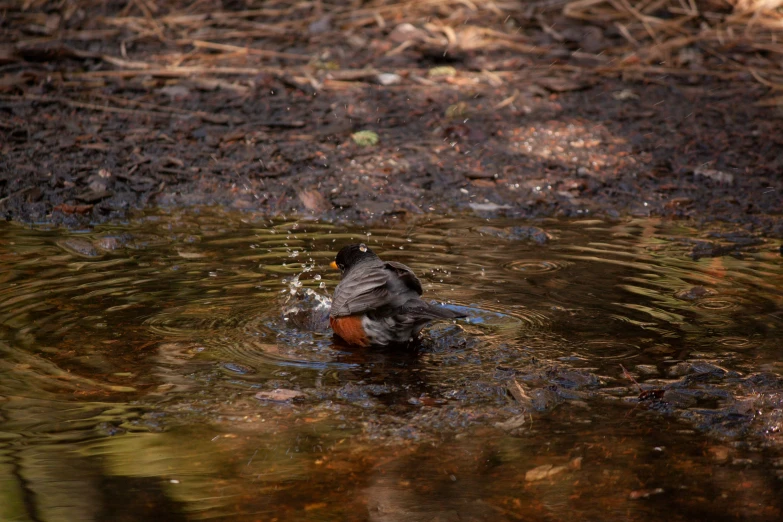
pixel 644 493
pixel 543 472
pixel 280 395
pixel 694 293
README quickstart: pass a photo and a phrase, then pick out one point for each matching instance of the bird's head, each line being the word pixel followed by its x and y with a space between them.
pixel 351 255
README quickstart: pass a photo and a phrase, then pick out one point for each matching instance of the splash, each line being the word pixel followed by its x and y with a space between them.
pixel 305 308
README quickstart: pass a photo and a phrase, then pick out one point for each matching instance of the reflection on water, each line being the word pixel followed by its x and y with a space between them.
pixel 180 367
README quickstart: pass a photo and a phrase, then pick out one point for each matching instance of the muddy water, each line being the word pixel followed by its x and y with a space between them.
pixel 180 367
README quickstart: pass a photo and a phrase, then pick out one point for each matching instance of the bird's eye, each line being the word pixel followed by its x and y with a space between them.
pixel 363 247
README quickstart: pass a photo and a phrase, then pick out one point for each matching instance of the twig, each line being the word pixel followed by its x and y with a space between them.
pixel 179 72
pixel 207 116
pixel 764 81
pixel 83 105
pixel 170 111
pixel 201 44
pixel 653 69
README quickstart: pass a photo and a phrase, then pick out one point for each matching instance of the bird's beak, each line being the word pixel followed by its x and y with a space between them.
pixel 333 264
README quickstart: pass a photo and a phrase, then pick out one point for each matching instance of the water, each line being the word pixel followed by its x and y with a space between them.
pixel 180 367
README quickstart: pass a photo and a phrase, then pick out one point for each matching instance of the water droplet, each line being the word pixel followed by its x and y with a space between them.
pixel 317 277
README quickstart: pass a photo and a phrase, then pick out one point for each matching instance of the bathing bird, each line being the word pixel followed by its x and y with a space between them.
pixel 378 303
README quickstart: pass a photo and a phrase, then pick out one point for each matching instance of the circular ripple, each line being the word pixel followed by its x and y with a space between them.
pixel 487 315
pixel 717 323
pixel 536 266
pixel 717 303
pixel 611 350
pixel 187 322
pixel 736 343
pixel 258 335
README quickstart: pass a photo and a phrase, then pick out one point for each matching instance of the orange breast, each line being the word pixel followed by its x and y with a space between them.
pixel 349 328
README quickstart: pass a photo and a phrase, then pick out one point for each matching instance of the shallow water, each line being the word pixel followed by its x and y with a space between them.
pixel 180 367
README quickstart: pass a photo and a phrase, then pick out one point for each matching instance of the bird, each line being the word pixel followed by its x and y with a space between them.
pixel 378 303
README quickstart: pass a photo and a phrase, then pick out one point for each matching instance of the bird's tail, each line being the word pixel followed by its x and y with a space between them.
pixel 425 310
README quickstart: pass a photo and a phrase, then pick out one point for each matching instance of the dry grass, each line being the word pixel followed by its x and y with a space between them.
pixel 678 33
pixel 724 38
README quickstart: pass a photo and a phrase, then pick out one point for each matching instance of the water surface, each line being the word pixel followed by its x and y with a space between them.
pixel 180 367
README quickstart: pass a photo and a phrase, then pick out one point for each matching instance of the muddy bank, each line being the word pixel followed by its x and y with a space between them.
pixel 529 127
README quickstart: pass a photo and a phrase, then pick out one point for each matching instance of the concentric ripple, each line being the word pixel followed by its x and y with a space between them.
pixel 253 336
pixel 194 319
pixel 530 266
pixel 736 343
pixel 722 303
pixel 252 295
pixel 609 350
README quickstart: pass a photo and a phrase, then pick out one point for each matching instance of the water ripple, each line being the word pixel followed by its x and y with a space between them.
pixel 530 266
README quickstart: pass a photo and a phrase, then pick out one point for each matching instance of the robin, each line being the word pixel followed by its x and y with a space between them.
pixel 378 302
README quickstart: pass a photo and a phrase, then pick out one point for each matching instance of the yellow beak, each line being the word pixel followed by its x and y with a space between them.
pixel 333 264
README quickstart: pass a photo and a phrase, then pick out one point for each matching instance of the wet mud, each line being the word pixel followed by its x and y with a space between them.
pixel 499 129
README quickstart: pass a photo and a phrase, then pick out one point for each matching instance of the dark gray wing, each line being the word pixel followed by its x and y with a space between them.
pixel 374 288
pixel 406 275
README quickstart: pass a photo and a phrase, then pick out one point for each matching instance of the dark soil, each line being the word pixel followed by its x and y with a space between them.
pixel 530 125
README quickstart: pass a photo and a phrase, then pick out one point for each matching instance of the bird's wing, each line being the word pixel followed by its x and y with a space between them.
pixel 374 288
pixel 406 275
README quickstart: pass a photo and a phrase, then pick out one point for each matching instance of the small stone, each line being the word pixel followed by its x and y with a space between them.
pixel 110 243
pixel 175 91
pixel 720 176
pixel 625 94
pixel 647 369
pixel 558 85
pixel 694 293
pixel 78 246
pixel 406 32
pixel 322 25
pixel 719 453
pixel 388 79
pixel 314 201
